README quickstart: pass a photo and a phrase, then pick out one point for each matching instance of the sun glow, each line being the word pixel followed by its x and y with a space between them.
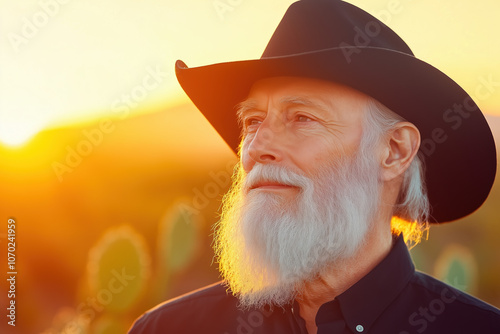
pixel 64 83
pixel 15 133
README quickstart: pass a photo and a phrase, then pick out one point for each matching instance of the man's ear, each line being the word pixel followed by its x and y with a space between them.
pixel 400 147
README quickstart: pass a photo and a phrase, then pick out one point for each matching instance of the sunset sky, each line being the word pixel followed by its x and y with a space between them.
pixel 67 61
pixel 98 141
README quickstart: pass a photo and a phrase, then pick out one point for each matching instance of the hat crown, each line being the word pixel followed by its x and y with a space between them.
pixel 313 25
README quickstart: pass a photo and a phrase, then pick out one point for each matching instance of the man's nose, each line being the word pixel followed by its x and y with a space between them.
pixel 265 146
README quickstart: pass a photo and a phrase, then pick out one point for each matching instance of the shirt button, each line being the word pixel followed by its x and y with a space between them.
pixel 360 328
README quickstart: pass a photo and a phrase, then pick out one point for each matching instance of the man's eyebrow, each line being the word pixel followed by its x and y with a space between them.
pixel 243 107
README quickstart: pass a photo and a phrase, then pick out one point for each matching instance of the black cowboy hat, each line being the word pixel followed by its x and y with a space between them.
pixel 336 41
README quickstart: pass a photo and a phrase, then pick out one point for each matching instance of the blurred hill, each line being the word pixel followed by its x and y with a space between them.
pixel 64 193
pixel 69 185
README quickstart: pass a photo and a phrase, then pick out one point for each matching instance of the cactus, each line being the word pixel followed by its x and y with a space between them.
pixel 178 244
pixel 178 237
pixel 118 269
pixel 457 266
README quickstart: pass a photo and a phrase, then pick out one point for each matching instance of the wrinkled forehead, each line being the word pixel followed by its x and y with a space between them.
pixel 329 98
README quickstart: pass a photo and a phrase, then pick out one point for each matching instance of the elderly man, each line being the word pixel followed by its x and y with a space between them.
pixel 348 145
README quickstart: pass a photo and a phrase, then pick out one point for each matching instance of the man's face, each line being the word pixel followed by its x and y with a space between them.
pixel 299 123
pixel 306 193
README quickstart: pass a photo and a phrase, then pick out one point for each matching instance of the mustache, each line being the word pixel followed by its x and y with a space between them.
pixel 262 174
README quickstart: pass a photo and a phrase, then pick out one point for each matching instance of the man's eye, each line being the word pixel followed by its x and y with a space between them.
pixel 302 118
pixel 252 122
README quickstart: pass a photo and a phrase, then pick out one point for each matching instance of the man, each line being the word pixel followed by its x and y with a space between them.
pixel 332 121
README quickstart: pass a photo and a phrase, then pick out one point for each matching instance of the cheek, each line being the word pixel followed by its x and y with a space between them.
pixel 312 155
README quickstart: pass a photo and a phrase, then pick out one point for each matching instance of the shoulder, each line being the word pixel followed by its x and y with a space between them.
pixel 447 294
pixel 440 306
pixel 182 314
pixel 214 295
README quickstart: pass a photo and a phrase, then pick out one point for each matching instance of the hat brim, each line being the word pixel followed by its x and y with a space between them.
pixel 457 143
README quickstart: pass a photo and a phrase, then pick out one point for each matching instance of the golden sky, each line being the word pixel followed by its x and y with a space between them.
pixel 64 61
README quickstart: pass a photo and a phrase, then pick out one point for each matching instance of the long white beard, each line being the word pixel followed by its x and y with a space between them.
pixel 268 246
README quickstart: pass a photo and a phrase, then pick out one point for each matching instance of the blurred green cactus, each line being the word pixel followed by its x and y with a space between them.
pixel 177 244
pixel 178 237
pixel 118 269
pixel 457 267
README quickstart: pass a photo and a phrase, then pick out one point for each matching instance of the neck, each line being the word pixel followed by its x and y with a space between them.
pixel 341 276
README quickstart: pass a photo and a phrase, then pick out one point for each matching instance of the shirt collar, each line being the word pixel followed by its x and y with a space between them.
pixel 365 301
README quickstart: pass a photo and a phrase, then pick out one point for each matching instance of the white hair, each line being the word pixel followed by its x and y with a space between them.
pixel 412 204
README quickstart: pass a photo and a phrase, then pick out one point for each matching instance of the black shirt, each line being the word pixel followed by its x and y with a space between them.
pixel 392 298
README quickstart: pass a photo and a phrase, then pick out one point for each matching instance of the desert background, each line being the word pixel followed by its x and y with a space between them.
pixel 114 179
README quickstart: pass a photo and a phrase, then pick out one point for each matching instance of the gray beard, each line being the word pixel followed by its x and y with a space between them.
pixel 269 246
